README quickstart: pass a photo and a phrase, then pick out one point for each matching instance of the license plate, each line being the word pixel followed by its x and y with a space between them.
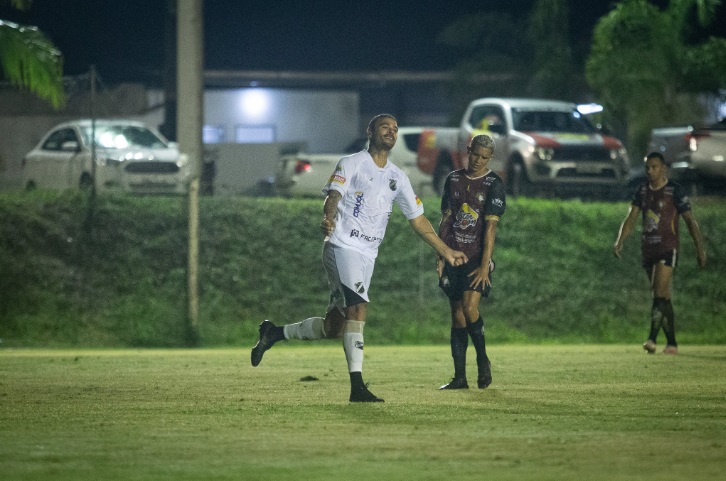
pixel 588 169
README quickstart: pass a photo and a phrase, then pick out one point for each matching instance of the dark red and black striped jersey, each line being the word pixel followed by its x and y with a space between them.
pixel 660 210
pixel 471 202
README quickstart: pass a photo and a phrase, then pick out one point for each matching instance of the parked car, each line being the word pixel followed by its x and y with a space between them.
pixel 303 174
pixel 707 155
pixel 129 156
pixel 696 157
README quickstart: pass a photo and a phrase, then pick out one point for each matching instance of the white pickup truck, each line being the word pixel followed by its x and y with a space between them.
pixel 541 145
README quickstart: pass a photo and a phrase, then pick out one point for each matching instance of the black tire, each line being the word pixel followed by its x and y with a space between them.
pixel 517 181
pixel 86 181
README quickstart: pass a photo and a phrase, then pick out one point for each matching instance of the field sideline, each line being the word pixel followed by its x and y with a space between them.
pixel 564 412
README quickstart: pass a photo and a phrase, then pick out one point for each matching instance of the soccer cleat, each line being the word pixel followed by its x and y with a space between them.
pixel 264 343
pixel 649 346
pixel 669 349
pixel 456 383
pixel 485 376
pixel 363 395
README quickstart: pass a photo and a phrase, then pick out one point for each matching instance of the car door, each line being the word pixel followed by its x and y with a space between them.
pixel 54 163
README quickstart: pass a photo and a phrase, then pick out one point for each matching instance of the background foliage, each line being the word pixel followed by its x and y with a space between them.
pixel 121 280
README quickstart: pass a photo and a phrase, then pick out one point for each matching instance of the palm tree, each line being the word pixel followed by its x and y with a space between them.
pixel 29 60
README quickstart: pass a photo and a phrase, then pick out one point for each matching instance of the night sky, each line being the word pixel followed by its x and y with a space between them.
pixel 125 38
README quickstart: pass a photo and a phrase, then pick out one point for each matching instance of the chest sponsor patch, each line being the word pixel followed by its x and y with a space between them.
pixel 466 217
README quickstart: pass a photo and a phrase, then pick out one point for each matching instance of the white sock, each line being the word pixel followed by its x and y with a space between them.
pixel 311 329
pixel 353 345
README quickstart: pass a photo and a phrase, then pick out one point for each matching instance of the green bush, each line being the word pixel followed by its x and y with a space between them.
pixel 118 277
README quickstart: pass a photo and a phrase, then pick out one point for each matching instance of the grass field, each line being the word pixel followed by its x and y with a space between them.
pixel 574 412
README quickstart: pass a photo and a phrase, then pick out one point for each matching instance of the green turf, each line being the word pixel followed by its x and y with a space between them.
pixel 575 412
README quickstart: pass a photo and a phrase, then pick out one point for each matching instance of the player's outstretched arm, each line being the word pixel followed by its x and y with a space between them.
pixel 425 230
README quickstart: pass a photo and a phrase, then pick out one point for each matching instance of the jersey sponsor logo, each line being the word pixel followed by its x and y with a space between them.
pixel 358 203
pixel 466 217
pixel 392 184
pixel 337 179
pixel 358 235
pixel 498 202
pixel 464 238
pixel 651 221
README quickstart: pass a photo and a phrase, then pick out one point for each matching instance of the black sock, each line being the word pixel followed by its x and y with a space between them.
pixel 459 343
pixel 669 321
pixel 656 318
pixel 356 380
pixel 476 332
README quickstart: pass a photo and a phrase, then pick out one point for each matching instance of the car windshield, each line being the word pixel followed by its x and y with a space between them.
pixel 124 137
pixel 526 120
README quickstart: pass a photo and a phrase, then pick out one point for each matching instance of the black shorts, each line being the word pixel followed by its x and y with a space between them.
pixel 455 280
pixel 667 258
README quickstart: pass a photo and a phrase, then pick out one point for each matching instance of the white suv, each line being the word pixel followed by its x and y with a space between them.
pixel 130 157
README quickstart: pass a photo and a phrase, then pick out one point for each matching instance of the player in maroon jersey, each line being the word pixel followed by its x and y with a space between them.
pixel 661 201
pixel 472 204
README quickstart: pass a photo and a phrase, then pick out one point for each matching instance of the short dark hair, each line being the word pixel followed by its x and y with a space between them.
pixel 655 155
pixel 372 123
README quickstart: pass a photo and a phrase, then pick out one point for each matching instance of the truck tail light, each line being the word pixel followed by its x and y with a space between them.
pixel 302 166
pixel 694 137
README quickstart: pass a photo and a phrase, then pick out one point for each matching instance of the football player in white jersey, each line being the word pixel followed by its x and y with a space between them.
pixel 359 200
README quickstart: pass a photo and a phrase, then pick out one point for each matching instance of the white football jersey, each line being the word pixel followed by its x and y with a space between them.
pixel 368 193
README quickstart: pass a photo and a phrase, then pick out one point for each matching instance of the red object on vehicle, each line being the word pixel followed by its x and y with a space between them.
pixel 302 166
pixel 694 137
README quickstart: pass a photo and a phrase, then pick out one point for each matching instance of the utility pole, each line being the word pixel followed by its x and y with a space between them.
pixel 190 100
pixel 168 128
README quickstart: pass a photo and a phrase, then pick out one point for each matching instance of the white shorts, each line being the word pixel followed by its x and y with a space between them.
pixel 349 275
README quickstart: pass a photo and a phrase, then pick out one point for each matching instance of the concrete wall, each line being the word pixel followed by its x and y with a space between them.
pixel 326 121
pixel 242 169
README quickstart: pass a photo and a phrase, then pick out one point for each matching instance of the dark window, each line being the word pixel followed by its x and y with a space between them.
pixel 485 115
pixel 56 140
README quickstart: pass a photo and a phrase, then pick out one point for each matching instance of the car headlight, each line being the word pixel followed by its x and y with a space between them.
pixel 545 153
pixel 616 154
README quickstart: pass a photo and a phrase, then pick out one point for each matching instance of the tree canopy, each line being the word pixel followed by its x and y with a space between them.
pixel 29 60
pixel 647 64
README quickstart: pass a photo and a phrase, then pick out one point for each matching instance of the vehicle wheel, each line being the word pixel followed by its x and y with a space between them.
pixel 517 180
pixel 442 170
pixel 86 182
